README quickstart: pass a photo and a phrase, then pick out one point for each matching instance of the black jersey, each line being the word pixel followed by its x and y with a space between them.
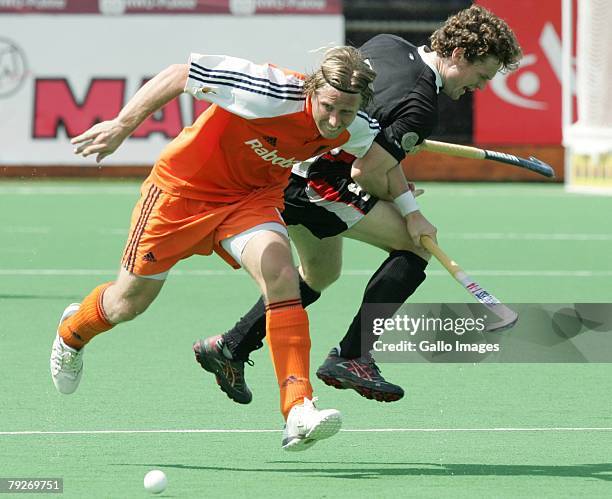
pixel 405 93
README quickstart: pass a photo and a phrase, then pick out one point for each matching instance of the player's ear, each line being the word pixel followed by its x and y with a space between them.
pixel 457 54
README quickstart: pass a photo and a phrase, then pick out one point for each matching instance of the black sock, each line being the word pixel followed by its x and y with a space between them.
pixel 395 280
pixel 248 333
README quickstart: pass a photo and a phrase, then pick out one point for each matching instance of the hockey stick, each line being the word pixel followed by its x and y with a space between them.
pixel 533 164
pixel 507 317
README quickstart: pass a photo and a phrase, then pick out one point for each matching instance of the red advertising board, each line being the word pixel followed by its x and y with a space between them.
pixel 118 7
pixel 524 107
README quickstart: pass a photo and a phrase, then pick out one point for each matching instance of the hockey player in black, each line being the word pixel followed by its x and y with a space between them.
pixel 329 199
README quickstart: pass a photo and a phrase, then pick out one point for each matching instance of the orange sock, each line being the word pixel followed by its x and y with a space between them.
pixel 87 322
pixel 289 342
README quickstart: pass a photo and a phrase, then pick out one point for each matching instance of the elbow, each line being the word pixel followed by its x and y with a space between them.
pixel 357 174
pixel 362 177
pixel 366 180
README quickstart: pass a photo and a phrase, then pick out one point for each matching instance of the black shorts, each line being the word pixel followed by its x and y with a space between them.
pixel 326 205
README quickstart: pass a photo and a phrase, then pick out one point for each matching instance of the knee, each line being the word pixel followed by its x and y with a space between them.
pixel 403 242
pixel 281 283
pixel 125 307
pixel 320 276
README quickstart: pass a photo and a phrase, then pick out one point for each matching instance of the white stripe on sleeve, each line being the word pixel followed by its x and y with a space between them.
pixel 244 88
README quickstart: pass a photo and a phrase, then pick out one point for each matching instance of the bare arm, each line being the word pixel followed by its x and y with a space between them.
pixel 104 138
pixel 370 172
pixel 398 184
pixel 379 174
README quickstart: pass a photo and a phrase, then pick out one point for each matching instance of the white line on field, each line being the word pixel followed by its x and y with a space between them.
pixel 10 229
pixel 40 190
pixel 356 430
pixel 511 192
pixel 528 237
pixel 350 272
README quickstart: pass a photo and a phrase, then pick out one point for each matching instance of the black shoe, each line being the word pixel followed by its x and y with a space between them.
pixel 360 374
pixel 229 373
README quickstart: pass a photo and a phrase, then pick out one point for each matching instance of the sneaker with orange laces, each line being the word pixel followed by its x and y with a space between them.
pixel 228 372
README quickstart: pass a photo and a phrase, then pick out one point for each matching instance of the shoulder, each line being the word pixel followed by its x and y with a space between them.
pixel 362 132
pixel 364 123
pixel 234 70
pixel 385 42
pixel 245 88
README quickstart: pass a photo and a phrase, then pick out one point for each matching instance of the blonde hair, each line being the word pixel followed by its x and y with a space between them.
pixel 345 69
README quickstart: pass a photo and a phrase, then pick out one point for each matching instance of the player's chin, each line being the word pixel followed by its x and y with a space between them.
pixel 331 134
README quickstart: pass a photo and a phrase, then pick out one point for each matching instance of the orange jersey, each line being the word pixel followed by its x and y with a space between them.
pixel 259 126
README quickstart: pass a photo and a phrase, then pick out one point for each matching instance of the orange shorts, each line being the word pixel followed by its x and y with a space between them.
pixel 167 228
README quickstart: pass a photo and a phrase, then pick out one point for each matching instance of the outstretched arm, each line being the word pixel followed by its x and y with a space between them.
pixel 104 138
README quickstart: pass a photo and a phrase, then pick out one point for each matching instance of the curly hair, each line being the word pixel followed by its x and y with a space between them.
pixel 480 33
pixel 345 69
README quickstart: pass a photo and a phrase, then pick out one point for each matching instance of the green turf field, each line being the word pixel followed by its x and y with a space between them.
pixel 463 430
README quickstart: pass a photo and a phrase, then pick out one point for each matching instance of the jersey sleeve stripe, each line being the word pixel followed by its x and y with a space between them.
pixel 197 75
pixel 221 72
pixel 372 123
pixel 248 89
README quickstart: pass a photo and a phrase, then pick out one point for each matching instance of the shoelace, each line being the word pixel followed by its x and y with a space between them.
pixel 369 362
pixel 68 361
pixel 236 369
pixel 373 365
pixel 234 366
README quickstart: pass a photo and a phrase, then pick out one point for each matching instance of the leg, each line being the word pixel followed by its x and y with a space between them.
pixel 122 300
pixel 109 305
pixel 394 281
pixel 225 355
pixel 320 259
pixel 320 264
pixel 106 306
pixel 129 296
pixel 267 257
pixel 385 228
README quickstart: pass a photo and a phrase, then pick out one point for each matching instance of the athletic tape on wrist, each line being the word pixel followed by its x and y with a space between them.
pixel 406 203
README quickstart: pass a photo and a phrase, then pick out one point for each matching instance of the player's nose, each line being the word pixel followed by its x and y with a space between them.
pixel 333 120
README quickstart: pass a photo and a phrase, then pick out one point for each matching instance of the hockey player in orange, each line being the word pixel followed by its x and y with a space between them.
pixel 219 187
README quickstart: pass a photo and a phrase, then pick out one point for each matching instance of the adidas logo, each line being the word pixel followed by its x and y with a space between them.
pixel 149 257
pixel 291 380
pixel 270 156
pixel 270 140
pixel 76 335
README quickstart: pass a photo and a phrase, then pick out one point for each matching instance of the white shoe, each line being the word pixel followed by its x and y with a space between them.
pixel 306 425
pixel 66 362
